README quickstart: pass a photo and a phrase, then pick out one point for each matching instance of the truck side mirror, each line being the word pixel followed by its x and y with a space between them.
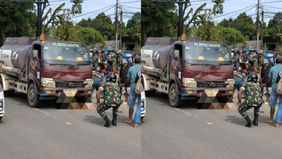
pixel 35 54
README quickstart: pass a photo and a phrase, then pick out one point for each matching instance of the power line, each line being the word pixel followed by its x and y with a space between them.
pixel 237 11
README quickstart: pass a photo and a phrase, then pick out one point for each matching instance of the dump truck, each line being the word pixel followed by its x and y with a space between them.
pixel 187 69
pixel 45 69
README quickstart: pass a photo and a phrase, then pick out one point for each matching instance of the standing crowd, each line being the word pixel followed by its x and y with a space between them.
pixel 258 75
pixel 117 74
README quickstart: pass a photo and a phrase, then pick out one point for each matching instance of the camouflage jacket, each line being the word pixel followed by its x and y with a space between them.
pixel 252 93
pixel 112 94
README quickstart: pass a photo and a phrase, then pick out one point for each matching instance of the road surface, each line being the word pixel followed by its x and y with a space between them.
pixel 167 133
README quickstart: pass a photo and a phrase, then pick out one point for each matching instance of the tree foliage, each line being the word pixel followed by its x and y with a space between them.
pixel 16 19
pixel 158 19
pixel 101 23
pixel 275 25
pixel 133 27
pixel 244 24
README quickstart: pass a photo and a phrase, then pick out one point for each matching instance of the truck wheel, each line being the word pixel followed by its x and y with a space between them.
pixel 32 96
pixel 173 95
pixel 1 118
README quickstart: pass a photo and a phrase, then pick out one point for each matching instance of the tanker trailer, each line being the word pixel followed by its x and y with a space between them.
pixel 190 69
pixel 46 69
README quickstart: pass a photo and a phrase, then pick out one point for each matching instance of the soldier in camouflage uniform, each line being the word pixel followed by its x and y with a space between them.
pixel 112 99
pixel 253 95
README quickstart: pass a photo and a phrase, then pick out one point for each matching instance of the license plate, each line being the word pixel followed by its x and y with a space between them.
pixel 211 92
pixel 70 92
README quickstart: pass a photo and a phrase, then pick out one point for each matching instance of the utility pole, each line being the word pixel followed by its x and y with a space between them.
pixel 39 18
pixel 116 26
pixel 262 25
pixel 120 34
pixel 257 25
pixel 180 17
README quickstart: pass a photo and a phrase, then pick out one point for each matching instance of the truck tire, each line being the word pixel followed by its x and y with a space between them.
pixel 32 96
pixel 1 118
pixel 173 95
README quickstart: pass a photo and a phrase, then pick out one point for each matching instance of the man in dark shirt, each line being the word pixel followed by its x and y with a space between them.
pixel 124 83
pixel 265 82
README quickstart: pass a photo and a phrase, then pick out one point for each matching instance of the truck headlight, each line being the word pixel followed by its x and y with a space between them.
pixel 89 82
pixel 230 82
pixel 48 82
pixel 189 82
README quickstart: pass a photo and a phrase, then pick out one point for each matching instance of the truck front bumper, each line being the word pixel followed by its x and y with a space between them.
pixel 56 92
pixel 198 92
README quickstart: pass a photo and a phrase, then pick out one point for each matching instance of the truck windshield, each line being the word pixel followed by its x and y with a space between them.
pixel 58 53
pixel 207 54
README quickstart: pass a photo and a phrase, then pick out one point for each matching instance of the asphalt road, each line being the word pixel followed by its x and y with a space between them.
pixel 167 133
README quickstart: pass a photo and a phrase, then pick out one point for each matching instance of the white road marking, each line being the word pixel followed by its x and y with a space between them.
pixel 209 123
pixel 67 123
pixel 195 117
pixel 189 114
pixel 43 112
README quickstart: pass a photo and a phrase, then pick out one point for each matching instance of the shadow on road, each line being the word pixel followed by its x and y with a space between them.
pixel 44 104
pixel 185 104
pixel 241 121
pixel 99 121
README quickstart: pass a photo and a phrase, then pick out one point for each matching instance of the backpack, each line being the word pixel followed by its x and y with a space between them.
pixel 139 87
pixel 279 84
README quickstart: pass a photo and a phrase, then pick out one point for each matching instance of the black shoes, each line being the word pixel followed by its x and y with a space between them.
pixel 249 122
pixel 108 122
pixel 114 121
pixel 255 122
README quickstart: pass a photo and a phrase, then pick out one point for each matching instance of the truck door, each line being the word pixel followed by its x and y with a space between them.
pixel 177 61
pixel 35 62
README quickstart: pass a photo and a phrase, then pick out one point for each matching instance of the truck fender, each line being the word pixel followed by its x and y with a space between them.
pixel 4 82
pixel 177 84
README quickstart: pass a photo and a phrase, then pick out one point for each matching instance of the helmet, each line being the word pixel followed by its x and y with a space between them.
pixel 253 77
pixel 111 77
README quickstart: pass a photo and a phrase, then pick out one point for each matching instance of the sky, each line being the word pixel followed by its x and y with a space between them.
pixel 91 8
pixel 231 8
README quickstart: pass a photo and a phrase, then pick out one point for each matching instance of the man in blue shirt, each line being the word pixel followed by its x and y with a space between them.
pixel 273 73
pixel 131 75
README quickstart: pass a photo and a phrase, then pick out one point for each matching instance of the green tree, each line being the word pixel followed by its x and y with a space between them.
pixel 275 25
pixel 76 7
pixel 244 24
pixel 101 23
pixel 158 19
pixel 16 19
pixel 218 7
pixel 133 27
pixel 90 36
pixel 232 36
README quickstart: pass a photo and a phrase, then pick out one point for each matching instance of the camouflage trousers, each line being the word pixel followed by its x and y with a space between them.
pixel 244 107
pixel 101 109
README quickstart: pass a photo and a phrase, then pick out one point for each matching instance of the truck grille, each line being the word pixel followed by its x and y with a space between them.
pixel 211 84
pixel 70 84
